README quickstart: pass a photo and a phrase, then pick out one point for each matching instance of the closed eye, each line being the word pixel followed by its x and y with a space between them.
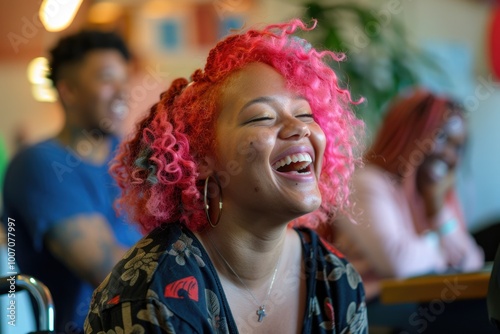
pixel 259 119
pixel 306 116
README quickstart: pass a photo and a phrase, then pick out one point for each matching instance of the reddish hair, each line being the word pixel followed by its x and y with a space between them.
pixel 157 168
pixel 411 120
pixel 407 136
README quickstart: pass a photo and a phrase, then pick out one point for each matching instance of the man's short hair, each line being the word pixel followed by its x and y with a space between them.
pixel 73 48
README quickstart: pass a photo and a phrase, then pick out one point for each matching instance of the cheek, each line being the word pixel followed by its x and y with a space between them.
pixel 318 139
pixel 106 92
pixel 251 148
pixel 242 154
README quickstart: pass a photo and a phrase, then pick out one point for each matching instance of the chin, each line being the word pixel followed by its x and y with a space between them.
pixel 109 130
pixel 309 204
pixel 107 133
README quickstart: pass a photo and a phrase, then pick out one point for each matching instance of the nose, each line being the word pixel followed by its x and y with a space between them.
pixel 294 128
pixel 121 89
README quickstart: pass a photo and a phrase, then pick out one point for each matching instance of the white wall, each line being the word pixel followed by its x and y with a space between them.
pixel 484 200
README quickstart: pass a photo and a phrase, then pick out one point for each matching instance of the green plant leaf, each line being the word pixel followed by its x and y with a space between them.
pixel 380 60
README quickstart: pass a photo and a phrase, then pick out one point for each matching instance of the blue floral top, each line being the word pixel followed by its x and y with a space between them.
pixel 167 284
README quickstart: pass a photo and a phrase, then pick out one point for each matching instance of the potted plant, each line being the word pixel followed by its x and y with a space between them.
pixel 380 63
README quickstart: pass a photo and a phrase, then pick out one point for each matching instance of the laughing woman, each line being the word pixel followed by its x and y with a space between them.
pixel 228 175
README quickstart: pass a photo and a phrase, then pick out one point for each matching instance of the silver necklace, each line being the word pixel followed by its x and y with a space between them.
pixel 261 311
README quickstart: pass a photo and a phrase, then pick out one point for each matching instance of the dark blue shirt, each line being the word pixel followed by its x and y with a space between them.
pixel 168 284
pixel 45 185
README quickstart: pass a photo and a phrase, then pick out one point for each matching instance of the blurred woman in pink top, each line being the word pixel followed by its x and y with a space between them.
pixel 409 220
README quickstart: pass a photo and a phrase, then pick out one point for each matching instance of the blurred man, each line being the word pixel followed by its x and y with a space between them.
pixel 59 192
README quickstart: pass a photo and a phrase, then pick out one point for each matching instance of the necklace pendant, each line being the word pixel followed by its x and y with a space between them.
pixel 261 312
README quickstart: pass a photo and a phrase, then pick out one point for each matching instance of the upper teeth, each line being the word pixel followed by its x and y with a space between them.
pixel 298 157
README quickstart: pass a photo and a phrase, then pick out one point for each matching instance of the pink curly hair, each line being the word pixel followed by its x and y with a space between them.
pixel 157 168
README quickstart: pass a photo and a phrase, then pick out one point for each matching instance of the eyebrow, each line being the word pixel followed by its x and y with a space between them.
pixel 268 100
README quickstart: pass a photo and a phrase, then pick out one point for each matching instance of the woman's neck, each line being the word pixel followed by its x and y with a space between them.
pixel 240 254
pixel 257 275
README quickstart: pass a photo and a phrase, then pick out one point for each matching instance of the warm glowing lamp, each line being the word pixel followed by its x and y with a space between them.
pixel 41 88
pixel 37 70
pixel 43 93
pixel 57 15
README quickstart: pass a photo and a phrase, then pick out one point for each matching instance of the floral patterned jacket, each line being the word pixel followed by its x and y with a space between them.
pixel 167 284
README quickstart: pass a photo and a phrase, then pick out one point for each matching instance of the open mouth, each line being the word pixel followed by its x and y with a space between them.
pixel 439 169
pixel 298 163
pixel 119 109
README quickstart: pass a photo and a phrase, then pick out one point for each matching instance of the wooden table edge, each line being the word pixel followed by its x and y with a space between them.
pixel 435 287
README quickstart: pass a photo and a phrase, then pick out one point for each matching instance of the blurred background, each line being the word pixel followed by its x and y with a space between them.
pixel 449 46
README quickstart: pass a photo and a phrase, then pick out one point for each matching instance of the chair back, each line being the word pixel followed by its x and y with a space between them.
pixel 40 294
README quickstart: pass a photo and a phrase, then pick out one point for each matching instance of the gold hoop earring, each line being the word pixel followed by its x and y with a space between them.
pixel 205 200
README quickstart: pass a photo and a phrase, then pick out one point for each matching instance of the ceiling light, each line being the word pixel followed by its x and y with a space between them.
pixel 57 15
